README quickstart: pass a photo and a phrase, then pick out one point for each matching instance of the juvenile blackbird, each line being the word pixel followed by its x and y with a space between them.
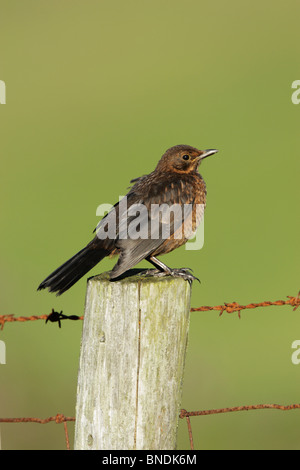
pixel 175 182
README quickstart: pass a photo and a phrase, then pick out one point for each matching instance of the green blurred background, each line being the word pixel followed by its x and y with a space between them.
pixel 96 92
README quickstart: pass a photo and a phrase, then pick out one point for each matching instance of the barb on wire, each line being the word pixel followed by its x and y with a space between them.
pixel 57 317
pixel 52 317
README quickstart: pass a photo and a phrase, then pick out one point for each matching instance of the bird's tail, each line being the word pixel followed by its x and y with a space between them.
pixel 74 269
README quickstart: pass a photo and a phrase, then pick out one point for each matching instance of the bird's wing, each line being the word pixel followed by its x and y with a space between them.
pixel 149 221
pixel 114 210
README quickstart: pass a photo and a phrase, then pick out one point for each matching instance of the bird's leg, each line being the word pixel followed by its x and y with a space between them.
pixel 164 270
pixel 159 265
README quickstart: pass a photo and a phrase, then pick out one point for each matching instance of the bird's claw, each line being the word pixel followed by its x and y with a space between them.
pixel 184 273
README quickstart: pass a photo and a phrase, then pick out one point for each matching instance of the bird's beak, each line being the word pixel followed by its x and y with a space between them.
pixel 207 153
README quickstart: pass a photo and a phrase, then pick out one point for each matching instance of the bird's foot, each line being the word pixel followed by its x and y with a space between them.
pixel 184 273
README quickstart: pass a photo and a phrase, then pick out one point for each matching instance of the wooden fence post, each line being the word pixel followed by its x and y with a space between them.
pixel 131 363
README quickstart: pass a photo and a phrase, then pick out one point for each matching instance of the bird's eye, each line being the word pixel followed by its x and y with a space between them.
pixel 186 157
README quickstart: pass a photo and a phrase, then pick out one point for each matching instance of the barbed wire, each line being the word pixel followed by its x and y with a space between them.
pixel 232 307
pixel 235 307
pixel 52 317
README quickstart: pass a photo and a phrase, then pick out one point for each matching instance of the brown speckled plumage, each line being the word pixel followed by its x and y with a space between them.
pixel 175 180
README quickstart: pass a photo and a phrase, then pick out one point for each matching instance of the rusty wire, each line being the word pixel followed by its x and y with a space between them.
pixel 187 414
pixel 58 419
pixel 11 318
pixel 184 414
pixel 233 307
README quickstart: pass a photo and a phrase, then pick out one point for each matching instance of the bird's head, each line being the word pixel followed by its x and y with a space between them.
pixel 183 159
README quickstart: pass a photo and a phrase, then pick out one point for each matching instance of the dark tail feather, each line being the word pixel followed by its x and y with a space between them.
pixel 74 269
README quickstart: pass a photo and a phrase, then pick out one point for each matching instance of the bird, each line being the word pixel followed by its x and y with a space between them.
pixel 174 183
